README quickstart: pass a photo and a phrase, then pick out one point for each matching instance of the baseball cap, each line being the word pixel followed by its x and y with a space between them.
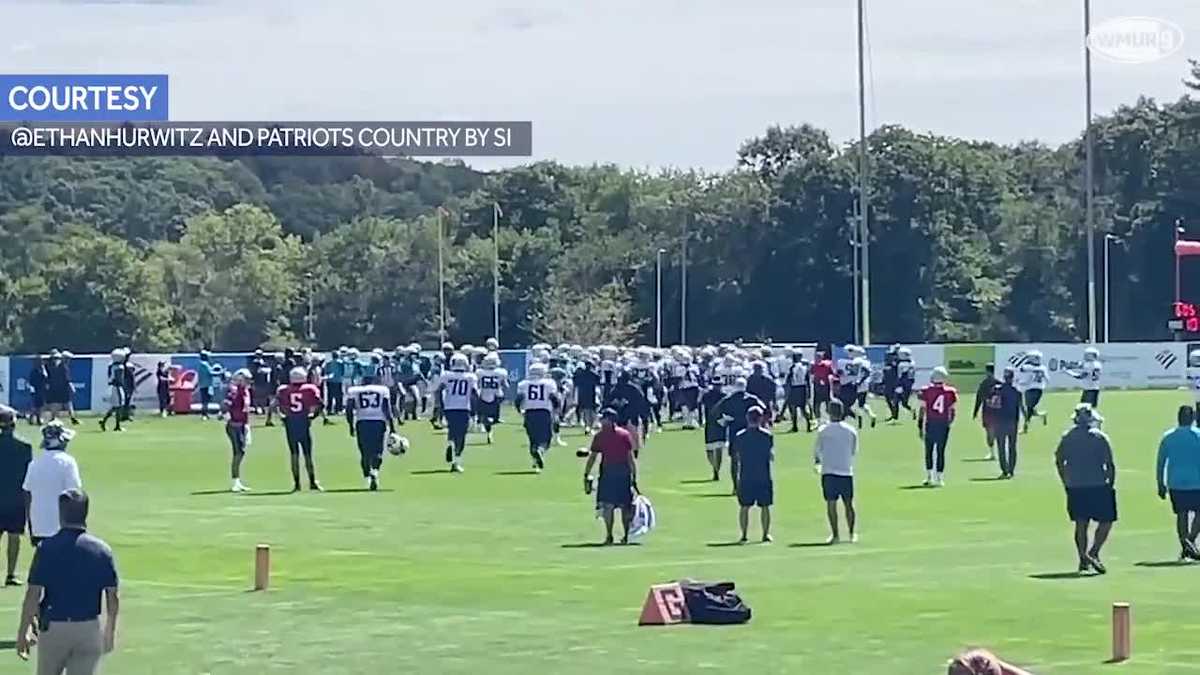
pixel 608 414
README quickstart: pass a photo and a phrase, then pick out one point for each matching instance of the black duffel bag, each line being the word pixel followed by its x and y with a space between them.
pixel 714 603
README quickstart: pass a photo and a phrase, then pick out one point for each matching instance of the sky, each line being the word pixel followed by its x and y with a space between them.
pixel 638 83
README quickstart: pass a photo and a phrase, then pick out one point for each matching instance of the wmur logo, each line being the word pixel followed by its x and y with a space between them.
pixel 1166 358
pixel 1135 39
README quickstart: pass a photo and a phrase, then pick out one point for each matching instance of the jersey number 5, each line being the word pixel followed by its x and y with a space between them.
pixel 296 402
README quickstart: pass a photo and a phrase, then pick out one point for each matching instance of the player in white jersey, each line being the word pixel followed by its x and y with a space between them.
pixel 1193 376
pixel 797 382
pixel 537 399
pixel 369 414
pixel 1089 377
pixel 456 389
pixel 688 383
pixel 1033 377
pixel 848 373
pixel 493 380
pixel 728 372
pixel 865 372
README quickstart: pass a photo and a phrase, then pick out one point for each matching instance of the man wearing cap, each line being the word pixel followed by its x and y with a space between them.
pixel 754 446
pixel 618 473
pixel 15 456
pixel 70 574
pixel 1178 472
pixel 49 474
pixel 1085 464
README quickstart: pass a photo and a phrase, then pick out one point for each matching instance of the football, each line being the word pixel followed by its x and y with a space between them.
pixel 397 444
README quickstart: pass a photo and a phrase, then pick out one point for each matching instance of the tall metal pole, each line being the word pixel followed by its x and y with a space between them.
pixel 496 213
pixel 1107 289
pixel 864 239
pixel 1088 175
pixel 658 298
pixel 683 250
pixel 310 320
pixel 854 280
pixel 441 215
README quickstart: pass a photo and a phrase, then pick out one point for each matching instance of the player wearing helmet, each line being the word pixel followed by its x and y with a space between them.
pixel 1033 377
pixel 537 399
pixel 798 382
pixel 456 389
pixel 237 408
pixel 493 381
pixel 933 424
pixel 369 416
pixel 1089 375
pixel 299 403
pixel 118 396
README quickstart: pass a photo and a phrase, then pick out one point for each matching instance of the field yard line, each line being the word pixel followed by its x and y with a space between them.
pixel 172 584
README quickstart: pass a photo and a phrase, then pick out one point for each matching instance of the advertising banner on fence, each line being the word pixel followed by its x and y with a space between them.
pixel 1132 365
pixel 145 394
pixel 3 380
pixel 966 363
pixel 18 386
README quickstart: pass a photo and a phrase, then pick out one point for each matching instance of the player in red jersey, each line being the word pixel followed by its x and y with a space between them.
pixel 299 403
pixel 933 423
pixel 236 407
pixel 822 371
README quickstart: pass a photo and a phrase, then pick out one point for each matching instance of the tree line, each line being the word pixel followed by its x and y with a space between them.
pixel 969 241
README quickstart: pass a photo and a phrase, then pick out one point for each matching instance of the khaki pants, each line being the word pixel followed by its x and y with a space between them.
pixel 71 648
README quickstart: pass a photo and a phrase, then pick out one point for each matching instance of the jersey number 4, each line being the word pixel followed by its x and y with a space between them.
pixel 939 404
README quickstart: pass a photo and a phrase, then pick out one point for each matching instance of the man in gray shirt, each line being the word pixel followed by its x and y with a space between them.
pixel 1085 465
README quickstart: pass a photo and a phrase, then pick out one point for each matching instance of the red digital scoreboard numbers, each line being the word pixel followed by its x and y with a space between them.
pixel 1186 317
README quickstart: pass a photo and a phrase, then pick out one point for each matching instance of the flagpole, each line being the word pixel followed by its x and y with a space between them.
pixel 864 199
pixel 441 215
pixel 496 213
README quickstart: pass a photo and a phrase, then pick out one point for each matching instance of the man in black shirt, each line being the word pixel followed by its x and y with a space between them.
pixel 37 382
pixel 714 432
pixel 15 455
pixel 631 406
pixel 755 448
pixel 1004 404
pixel 764 388
pixel 731 413
pixel 586 382
pixel 986 385
pixel 58 386
pixel 71 571
pixel 891 383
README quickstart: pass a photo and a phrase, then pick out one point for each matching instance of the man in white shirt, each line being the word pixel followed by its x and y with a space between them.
pixel 833 456
pixel 49 475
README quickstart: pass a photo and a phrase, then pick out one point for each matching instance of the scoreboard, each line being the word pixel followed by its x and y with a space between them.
pixel 1185 318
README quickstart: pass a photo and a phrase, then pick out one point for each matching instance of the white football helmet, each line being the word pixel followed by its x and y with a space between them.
pixel 1035 357
pixel 1091 354
pixel 297 376
pixel 939 375
pixel 459 362
pixel 397 444
pixel 537 370
pixel 492 343
pixel 905 353
pixel 491 360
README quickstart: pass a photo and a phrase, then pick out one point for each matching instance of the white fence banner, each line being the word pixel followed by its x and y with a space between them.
pixel 1126 365
pixel 927 357
pixel 4 380
pixel 145 393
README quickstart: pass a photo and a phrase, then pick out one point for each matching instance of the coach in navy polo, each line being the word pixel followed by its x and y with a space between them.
pixel 71 571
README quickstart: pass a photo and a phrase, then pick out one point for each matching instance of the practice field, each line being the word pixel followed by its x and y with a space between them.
pixel 492 571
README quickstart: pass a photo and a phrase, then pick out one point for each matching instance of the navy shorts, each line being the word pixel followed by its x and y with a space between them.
pixel 1097 503
pixel 370 435
pixel 457 423
pixel 1185 501
pixel 489 410
pixel 539 426
pixel 836 487
pixel 756 493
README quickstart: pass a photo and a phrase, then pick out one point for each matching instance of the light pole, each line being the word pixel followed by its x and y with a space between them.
pixel 309 319
pixel 1089 180
pixel 441 216
pixel 1108 238
pixel 683 282
pixel 658 297
pixel 864 198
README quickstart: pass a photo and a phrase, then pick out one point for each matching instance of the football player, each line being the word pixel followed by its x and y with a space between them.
pixel 933 424
pixel 1033 377
pixel 456 388
pixel 116 387
pixel 299 403
pixel 798 381
pixel 236 407
pixel 537 399
pixel 369 415
pixel 1089 375
pixel 493 381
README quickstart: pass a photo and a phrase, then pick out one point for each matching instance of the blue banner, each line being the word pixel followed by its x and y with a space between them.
pixel 83 98
pixel 18 387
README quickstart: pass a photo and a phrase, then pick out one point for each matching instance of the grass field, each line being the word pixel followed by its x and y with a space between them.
pixel 483 572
